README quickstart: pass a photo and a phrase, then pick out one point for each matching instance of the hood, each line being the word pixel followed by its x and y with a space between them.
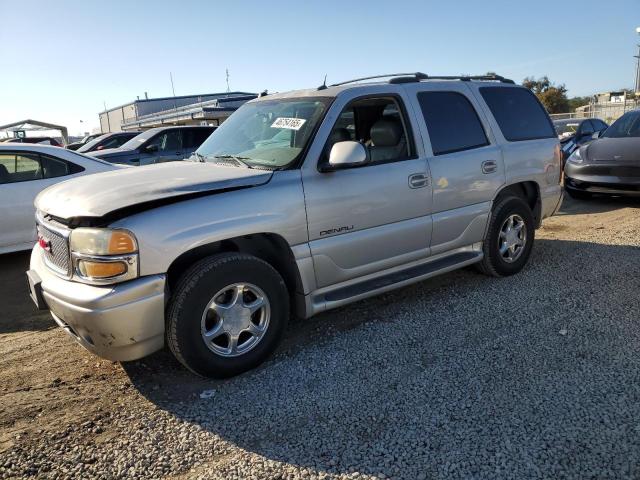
pixel 614 150
pixel 104 193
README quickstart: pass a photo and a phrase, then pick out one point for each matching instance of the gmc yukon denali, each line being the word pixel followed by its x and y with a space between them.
pixel 300 202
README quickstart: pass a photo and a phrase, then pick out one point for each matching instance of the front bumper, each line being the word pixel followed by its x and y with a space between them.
pixel 613 179
pixel 118 322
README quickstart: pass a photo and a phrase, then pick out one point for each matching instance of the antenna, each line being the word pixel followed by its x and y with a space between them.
pixel 228 89
pixel 324 84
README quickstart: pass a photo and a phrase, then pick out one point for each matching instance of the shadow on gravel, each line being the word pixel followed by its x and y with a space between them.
pixel 18 311
pixel 535 375
pixel 598 204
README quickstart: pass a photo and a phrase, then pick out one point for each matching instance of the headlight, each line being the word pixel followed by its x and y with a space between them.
pixel 103 255
pixel 576 156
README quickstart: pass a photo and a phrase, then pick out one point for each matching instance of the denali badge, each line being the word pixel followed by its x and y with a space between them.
pixel 333 231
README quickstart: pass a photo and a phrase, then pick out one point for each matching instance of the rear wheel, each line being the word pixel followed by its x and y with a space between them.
pixel 227 315
pixel 509 239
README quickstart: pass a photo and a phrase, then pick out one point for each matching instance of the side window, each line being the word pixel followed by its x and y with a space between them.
pixel 168 141
pixel 21 167
pixel 599 125
pixel 586 128
pixel 378 124
pixel 452 122
pixel 194 137
pixel 518 112
pixel 55 167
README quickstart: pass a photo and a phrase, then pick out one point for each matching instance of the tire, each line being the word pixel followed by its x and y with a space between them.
pixel 494 262
pixel 192 313
pixel 579 194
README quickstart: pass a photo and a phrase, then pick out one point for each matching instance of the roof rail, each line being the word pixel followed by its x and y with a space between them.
pixel 465 78
pixel 418 76
pixel 413 74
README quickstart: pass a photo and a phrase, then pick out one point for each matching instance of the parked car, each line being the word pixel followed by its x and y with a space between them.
pixel 157 145
pixel 84 141
pixel 36 140
pixel 108 140
pixel 300 202
pixel 574 133
pixel 610 164
pixel 25 170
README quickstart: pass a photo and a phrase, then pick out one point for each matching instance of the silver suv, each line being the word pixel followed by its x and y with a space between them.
pixel 300 202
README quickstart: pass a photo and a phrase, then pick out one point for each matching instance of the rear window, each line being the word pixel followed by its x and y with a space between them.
pixel 452 122
pixel 518 113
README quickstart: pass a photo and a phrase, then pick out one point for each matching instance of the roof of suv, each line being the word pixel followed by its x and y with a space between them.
pixel 376 81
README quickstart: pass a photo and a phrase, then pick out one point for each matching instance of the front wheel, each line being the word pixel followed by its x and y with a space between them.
pixel 509 238
pixel 227 314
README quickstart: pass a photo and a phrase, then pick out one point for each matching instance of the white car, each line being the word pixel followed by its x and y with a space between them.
pixel 26 170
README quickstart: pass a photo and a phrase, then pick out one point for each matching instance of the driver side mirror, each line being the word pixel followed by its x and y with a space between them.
pixel 346 154
pixel 151 148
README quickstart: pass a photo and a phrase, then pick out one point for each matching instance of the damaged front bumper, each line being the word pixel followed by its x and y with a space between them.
pixel 118 322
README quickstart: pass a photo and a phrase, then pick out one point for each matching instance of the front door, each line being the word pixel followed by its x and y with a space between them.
pixel 376 216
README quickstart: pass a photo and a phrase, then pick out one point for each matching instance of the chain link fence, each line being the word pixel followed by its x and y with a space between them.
pixel 609 112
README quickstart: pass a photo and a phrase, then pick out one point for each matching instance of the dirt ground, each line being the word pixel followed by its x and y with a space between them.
pixel 49 386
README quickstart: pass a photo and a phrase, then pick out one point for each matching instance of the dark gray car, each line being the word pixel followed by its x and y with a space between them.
pixel 610 164
pixel 157 145
pixel 108 140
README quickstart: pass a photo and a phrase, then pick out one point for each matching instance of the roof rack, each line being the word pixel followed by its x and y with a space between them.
pixel 419 76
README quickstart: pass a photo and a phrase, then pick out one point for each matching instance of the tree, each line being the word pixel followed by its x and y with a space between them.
pixel 552 96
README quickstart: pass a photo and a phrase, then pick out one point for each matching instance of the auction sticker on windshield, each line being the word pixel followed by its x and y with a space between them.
pixel 289 123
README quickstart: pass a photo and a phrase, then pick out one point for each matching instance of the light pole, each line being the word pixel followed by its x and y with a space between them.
pixel 637 86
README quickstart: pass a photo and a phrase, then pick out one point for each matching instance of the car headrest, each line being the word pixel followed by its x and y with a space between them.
pixel 386 132
pixel 4 173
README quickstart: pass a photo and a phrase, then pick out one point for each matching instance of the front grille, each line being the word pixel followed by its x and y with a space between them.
pixel 57 253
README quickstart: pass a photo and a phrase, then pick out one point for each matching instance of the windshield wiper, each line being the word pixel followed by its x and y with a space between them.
pixel 240 160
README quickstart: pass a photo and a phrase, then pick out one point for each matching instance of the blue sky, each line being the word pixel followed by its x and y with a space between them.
pixel 61 60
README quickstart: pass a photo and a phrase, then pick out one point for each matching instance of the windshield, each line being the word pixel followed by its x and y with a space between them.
pixel 90 144
pixel 566 127
pixel 628 125
pixel 268 133
pixel 138 140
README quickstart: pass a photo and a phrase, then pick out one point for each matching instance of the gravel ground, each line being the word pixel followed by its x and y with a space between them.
pixel 463 376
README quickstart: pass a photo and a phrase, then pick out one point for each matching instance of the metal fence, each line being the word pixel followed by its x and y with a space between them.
pixel 608 112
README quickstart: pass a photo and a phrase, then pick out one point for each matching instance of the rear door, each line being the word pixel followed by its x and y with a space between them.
pixel 22 176
pixel 466 163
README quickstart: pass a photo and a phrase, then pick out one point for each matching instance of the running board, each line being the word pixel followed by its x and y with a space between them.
pixel 400 276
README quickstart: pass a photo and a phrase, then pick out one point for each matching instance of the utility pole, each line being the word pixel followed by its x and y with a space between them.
pixel 637 57
pixel 228 89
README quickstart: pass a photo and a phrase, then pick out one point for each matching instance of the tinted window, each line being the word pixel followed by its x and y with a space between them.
pixel 518 113
pixel 168 141
pixel 194 137
pixel 19 167
pixel 52 168
pixel 628 125
pixel 587 128
pixel 452 122
pixel 599 125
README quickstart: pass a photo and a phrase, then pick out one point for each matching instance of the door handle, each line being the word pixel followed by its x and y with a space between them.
pixel 418 180
pixel 489 166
